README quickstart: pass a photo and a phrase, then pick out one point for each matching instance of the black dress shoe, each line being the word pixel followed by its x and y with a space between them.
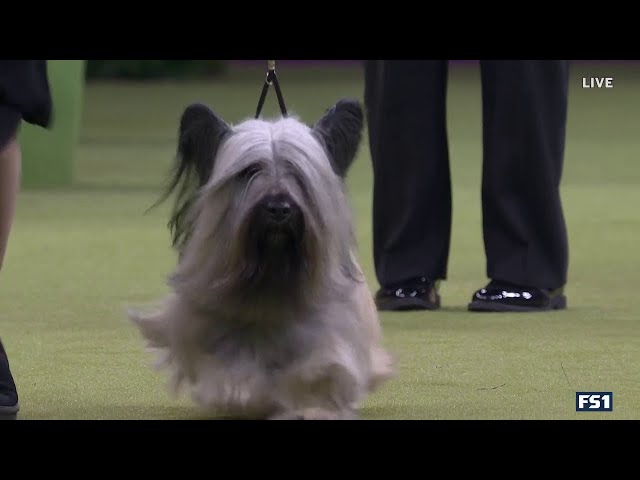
pixel 506 297
pixel 8 394
pixel 419 294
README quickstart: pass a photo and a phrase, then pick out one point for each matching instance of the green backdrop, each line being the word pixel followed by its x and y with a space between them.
pixel 48 155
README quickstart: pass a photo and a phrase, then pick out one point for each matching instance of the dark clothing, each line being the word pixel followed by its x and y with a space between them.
pixel 8 394
pixel 24 95
pixel 524 117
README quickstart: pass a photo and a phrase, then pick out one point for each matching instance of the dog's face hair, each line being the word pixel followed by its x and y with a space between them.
pixel 261 207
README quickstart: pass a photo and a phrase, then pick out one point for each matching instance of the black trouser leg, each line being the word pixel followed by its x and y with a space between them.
pixel 405 103
pixel 524 118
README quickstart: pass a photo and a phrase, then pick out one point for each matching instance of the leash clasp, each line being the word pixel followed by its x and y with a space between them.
pixel 271 71
pixel 271 79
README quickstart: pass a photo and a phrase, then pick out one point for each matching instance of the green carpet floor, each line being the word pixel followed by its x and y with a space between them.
pixel 78 257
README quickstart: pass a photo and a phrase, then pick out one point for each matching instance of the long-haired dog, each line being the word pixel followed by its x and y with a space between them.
pixel 270 315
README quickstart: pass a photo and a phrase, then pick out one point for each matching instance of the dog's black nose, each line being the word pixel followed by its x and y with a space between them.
pixel 279 209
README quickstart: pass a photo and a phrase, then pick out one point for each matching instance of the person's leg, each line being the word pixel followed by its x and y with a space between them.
pixel 26 95
pixel 10 163
pixel 10 166
pixel 405 105
pixel 524 125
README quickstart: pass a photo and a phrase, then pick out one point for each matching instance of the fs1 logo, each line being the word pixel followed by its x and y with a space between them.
pixel 594 401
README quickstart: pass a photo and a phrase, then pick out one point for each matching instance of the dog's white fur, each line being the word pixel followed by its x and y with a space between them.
pixel 275 358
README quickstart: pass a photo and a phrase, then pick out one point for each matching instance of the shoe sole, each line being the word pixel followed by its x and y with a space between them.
pixel 408 304
pixel 556 303
pixel 9 413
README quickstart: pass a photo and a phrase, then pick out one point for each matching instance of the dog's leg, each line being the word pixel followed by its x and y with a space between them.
pixel 320 393
pixel 316 413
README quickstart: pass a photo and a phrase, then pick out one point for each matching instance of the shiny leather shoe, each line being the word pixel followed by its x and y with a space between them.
pixel 420 294
pixel 504 297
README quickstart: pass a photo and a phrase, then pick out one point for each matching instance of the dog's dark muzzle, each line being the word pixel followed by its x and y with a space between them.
pixel 275 248
pixel 277 221
pixel 278 209
pixel 279 213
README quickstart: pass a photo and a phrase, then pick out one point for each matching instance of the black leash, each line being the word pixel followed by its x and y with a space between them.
pixel 272 78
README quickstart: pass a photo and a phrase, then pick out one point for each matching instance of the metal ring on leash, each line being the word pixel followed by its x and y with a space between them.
pixel 271 67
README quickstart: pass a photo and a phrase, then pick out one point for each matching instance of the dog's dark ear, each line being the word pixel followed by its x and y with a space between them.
pixel 200 134
pixel 340 131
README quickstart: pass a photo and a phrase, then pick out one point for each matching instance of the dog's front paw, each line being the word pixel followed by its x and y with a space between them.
pixel 290 415
pixel 315 413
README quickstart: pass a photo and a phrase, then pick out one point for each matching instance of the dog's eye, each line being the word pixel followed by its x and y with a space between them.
pixel 249 172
